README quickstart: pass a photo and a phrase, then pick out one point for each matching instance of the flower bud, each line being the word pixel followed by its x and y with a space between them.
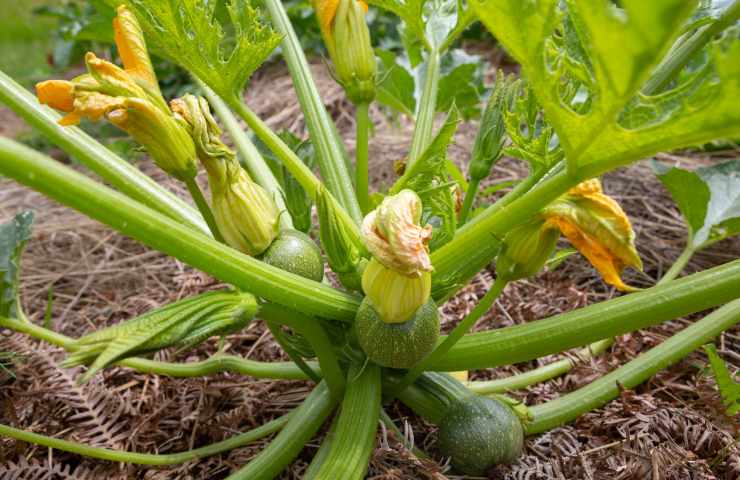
pixel 347 39
pixel 245 213
pixel 525 250
pixel 598 227
pixel 396 297
pixel 394 237
pixel 128 97
pixel 344 250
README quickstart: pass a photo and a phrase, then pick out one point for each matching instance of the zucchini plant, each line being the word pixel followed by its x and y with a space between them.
pixel 581 108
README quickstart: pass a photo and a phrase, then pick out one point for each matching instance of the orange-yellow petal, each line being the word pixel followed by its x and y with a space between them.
pixel 57 94
pixel 132 48
pixel 326 10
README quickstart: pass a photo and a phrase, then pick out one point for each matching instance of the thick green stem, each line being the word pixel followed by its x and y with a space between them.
pixel 248 153
pixel 160 232
pixel 457 333
pixel 362 119
pixel 119 173
pixel 541 374
pixel 425 109
pixel 325 140
pixel 147 458
pixel 205 210
pixel 295 166
pixel 354 435
pixel 304 422
pixel 681 54
pixel 314 333
pixel 519 343
pixel 470 194
pixel 432 394
pixel 216 364
pixel 568 407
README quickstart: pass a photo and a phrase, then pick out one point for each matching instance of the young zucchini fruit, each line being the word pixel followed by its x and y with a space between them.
pixel 397 345
pixel 295 252
pixel 478 433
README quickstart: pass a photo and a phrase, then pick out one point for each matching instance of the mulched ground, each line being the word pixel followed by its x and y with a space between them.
pixel 669 428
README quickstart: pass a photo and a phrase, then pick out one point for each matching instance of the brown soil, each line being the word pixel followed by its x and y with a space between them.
pixel 670 428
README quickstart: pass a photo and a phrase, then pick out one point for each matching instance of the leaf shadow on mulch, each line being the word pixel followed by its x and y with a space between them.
pixel 669 428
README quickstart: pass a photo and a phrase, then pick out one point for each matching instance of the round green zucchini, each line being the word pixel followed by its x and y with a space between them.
pixel 397 345
pixel 478 433
pixel 295 252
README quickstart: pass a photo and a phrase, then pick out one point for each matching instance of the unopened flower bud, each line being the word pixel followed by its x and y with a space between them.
pixel 245 213
pixel 525 250
pixel 347 39
pixel 396 297
pixel 598 227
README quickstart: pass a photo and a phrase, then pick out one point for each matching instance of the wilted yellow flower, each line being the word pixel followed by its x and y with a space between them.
pixel 394 237
pixel 598 227
pixel 128 97
pixel 347 39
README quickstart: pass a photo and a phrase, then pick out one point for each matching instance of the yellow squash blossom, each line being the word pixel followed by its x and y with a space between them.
pixel 347 39
pixel 128 97
pixel 598 227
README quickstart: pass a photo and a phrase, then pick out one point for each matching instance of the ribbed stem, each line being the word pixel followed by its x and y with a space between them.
pixel 205 210
pixel 520 343
pixel 248 153
pixel 425 109
pixel 354 436
pixel 303 424
pixel 216 364
pixel 122 175
pixel 568 407
pixel 470 194
pixel 160 232
pixel 457 333
pixel 147 458
pixel 362 120
pixel 325 140
pixel 541 374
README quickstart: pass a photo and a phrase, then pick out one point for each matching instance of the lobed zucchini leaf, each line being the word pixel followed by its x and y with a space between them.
pixel 586 61
pixel 708 198
pixel 729 389
pixel 429 178
pixel 13 238
pixel 188 32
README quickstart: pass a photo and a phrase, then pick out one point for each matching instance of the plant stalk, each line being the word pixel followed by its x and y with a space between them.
pixel 160 232
pixel 568 407
pixel 122 175
pixel 331 159
pixel 519 343
pixel 304 422
pixel 279 337
pixel 147 458
pixel 470 194
pixel 362 120
pixel 426 108
pixel 205 210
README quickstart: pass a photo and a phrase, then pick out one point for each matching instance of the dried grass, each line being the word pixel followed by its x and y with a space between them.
pixel 669 428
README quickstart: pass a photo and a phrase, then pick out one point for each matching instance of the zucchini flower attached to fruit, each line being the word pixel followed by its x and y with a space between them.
pixel 598 227
pixel 347 39
pixel 397 324
pixel 128 97
pixel 245 213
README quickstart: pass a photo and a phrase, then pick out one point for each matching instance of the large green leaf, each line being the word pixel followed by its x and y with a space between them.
pixel 13 238
pixel 729 389
pixel 189 33
pixel 709 199
pixel 587 61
